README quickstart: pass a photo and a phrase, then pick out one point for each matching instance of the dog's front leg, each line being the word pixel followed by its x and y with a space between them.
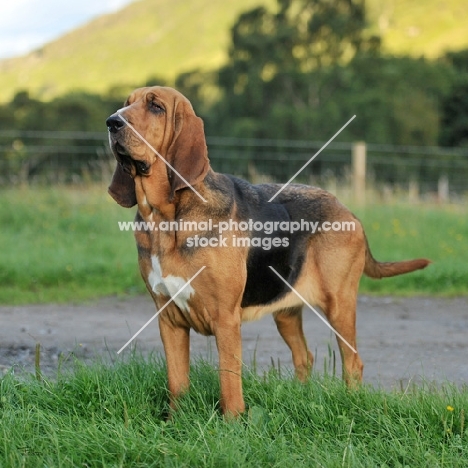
pixel 229 344
pixel 176 341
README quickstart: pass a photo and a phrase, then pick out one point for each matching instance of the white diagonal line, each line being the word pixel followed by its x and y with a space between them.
pixel 157 154
pixel 313 310
pixel 312 158
pixel 161 309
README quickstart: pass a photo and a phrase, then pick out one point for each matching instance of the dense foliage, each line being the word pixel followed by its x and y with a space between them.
pixel 301 72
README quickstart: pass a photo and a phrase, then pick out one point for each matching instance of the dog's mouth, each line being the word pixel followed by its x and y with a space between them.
pixel 121 151
pixel 129 165
pixel 122 156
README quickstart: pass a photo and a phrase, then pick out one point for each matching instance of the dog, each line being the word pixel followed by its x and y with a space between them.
pixel 211 279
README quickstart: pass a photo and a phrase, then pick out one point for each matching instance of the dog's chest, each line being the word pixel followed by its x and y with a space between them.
pixel 175 288
pixel 153 246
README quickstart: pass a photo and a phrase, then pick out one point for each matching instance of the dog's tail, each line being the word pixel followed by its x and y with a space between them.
pixel 375 269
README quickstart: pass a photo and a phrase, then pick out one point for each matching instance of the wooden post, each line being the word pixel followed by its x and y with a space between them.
pixel 443 189
pixel 413 190
pixel 359 172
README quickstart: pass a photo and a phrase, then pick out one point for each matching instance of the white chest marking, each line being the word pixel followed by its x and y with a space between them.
pixel 170 285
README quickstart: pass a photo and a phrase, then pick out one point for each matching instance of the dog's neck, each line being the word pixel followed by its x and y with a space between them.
pixel 153 198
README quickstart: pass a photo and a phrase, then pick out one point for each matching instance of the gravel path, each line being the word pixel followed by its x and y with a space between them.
pixel 401 340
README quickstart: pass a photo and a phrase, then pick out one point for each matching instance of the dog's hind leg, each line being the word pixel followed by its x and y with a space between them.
pixel 335 266
pixel 289 324
pixel 341 313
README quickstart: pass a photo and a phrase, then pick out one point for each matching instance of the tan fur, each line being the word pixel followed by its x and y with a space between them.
pixel 329 278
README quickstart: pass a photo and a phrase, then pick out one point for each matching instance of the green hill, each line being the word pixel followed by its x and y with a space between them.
pixel 420 27
pixel 163 38
pixel 147 38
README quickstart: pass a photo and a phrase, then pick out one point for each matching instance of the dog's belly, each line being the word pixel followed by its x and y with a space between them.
pixel 290 300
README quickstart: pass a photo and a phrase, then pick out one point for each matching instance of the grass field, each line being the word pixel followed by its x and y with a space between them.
pixel 440 233
pixel 63 244
pixel 115 416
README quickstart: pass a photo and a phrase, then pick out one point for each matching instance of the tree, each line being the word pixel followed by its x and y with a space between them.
pixel 454 119
pixel 276 60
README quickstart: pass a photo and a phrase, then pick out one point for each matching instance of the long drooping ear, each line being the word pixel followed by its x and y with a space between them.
pixel 122 188
pixel 187 153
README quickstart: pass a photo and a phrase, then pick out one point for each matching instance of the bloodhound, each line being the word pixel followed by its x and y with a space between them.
pixel 244 271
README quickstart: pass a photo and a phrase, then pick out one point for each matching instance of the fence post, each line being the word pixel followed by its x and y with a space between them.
pixel 443 188
pixel 413 191
pixel 359 172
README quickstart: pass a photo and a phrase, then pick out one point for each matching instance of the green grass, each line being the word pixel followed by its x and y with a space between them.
pixel 115 416
pixel 63 244
pixel 399 232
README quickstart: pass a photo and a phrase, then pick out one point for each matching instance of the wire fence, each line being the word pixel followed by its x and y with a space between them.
pixel 51 157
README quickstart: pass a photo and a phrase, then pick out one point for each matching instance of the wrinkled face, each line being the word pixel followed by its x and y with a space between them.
pixel 152 115
pixel 156 134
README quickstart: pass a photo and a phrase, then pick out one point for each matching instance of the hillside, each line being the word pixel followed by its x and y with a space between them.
pixel 424 27
pixel 163 38
pixel 147 38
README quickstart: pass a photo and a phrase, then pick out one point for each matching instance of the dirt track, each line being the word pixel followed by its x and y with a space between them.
pixel 400 340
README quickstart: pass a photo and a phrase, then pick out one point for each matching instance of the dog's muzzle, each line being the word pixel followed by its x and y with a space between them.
pixel 114 123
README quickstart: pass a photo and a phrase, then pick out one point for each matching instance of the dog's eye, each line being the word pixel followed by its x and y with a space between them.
pixel 154 106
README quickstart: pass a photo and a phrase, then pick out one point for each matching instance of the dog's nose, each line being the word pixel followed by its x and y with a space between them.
pixel 114 123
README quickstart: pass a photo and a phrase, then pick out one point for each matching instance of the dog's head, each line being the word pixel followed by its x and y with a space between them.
pixel 156 123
